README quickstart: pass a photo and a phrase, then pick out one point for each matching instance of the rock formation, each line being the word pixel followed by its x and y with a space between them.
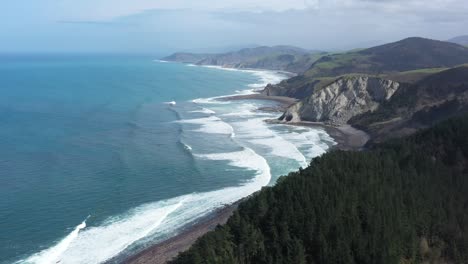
pixel 341 100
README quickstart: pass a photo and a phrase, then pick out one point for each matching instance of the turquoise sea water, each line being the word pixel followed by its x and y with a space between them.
pixel 95 163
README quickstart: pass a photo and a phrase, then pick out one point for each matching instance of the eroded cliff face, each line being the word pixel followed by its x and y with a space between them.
pixel 344 98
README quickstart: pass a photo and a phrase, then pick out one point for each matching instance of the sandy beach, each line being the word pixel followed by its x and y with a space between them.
pixel 347 138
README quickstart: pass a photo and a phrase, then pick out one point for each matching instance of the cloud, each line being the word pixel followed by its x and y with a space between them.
pixel 166 26
pixel 84 22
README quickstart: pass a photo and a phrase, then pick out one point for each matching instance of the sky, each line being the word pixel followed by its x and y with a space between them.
pixel 165 26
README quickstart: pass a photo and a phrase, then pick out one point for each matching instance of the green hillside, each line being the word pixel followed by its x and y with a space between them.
pixel 406 60
pixel 285 58
pixel 403 55
pixel 401 202
pixel 434 98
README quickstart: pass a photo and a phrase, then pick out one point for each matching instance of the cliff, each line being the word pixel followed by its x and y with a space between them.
pixel 341 100
pixel 420 105
pixel 399 202
pixel 415 56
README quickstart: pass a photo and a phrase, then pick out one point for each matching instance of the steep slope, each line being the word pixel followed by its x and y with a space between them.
pixel 185 57
pixel 460 40
pixel 286 58
pixel 344 98
pixel 405 55
pixel 420 105
pixel 401 202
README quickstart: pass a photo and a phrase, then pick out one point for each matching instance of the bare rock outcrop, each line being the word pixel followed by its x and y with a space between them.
pixel 341 100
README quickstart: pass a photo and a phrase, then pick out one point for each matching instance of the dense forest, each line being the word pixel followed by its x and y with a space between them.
pixel 403 201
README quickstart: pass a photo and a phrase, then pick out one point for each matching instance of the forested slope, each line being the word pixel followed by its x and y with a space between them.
pixel 404 201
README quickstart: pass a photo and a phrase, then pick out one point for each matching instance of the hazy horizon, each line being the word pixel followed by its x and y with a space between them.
pixel 161 27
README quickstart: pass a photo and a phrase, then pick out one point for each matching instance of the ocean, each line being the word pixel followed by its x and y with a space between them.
pixel 101 156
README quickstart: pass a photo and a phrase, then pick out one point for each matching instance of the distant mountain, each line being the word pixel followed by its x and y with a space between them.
pixel 390 90
pixel 461 40
pixel 399 201
pixel 405 55
pixel 384 107
pixel 285 58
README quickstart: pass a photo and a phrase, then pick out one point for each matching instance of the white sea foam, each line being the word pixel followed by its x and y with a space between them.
pixel 256 131
pixel 265 77
pixel 314 141
pixel 52 255
pixel 204 111
pixel 247 158
pixel 101 243
pixel 211 100
pixel 98 244
pixel 243 110
pixel 211 125
pixel 187 147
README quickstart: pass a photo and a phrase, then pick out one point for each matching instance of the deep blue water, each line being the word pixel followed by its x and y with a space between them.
pixel 94 136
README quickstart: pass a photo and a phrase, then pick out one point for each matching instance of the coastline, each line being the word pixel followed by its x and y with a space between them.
pixel 347 138
pixel 165 251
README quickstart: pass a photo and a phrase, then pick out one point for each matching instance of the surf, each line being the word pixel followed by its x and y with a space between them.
pixel 207 118
pixel 53 254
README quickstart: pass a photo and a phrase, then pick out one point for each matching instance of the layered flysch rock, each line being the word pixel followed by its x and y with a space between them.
pixel 341 100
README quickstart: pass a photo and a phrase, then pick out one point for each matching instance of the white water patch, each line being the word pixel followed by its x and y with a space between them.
pixel 243 110
pixel 98 244
pixel 210 125
pixel 314 141
pixel 52 255
pixel 201 204
pixel 204 111
pixel 101 243
pixel 187 147
pixel 246 158
pixel 267 77
pixel 257 132
pixel 162 219
pixel 211 100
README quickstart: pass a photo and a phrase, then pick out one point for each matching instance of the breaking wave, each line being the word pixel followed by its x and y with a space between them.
pixel 53 254
pixel 161 219
pixel 211 125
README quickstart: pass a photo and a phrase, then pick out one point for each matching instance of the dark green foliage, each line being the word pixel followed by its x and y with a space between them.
pixel 405 201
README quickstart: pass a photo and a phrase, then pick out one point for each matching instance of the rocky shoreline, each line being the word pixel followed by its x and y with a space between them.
pixel 165 251
pixel 347 137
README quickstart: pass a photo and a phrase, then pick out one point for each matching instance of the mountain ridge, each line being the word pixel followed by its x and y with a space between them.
pixel 461 40
pixel 281 57
pixel 405 55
